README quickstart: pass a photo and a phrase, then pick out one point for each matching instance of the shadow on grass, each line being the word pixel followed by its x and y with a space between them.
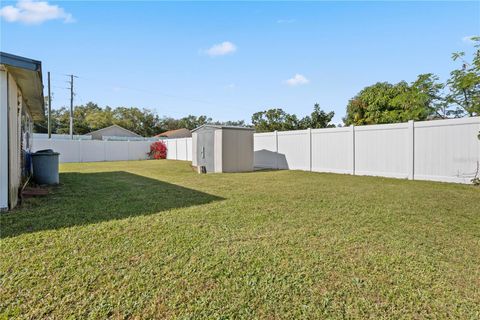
pixel 85 198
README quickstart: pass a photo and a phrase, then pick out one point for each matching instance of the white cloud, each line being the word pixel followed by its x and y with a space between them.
pixel 297 80
pixel 34 12
pixel 230 86
pixel 468 39
pixel 221 49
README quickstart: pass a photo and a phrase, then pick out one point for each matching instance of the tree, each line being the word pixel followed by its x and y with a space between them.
pixel 274 119
pixel 318 119
pixel 191 122
pixel 279 120
pixel 91 117
pixel 239 123
pixel 464 84
pixel 390 103
pixel 143 122
pixel 428 91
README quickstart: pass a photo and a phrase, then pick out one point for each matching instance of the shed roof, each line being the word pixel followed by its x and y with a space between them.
pixel 113 126
pixel 28 76
pixel 223 127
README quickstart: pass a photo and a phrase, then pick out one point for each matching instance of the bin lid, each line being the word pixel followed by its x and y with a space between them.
pixel 45 152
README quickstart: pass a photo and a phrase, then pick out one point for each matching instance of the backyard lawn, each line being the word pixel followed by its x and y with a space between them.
pixel 153 239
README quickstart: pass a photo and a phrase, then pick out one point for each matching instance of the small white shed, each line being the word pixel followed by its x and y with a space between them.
pixel 222 148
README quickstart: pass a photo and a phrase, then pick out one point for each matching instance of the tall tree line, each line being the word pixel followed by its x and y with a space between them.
pixel 145 122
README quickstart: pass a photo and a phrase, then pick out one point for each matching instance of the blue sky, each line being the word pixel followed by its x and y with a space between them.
pixel 229 60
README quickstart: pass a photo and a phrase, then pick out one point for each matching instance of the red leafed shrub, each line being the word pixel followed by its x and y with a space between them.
pixel 158 150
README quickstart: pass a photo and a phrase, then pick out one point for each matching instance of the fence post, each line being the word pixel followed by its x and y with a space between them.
pixel 276 149
pixel 309 133
pixel 411 150
pixel 352 128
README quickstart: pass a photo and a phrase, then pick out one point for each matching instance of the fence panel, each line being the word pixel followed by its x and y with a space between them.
pixel 171 149
pixel 137 150
pixel 382 150
pixel 265 150
pixel 189 149
pixel 447 150
pixel 294 150
pixel 92 151
pixel 69 149
pixel 181 149
pixel 332 150
pixel 116 150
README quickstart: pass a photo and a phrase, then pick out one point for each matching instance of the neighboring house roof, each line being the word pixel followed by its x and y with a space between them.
pixel 28 75
pixel 223 127
pixel 178 133
pixel 100 131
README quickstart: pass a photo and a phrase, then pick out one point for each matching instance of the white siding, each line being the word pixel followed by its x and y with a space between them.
pixel 14 127
pixel 3 140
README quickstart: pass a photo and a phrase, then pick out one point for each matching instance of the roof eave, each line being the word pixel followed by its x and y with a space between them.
pixel 28 76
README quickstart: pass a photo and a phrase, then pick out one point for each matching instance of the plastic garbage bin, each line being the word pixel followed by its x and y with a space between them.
pixel 45 167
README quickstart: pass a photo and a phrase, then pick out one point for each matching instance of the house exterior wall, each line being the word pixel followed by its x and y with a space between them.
pixel 3 139
pixel 14 137
pixel 237 150
pixel 16 127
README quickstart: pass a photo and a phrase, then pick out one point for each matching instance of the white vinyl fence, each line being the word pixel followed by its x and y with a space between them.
pixel 102 150
pixel 179 149
pixel 440 150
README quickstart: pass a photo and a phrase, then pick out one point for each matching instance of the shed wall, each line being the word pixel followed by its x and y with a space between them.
pixel 194 149
pixel 237 150
pixel 206 148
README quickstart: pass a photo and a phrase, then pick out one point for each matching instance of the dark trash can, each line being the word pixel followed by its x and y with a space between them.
pixel 45 167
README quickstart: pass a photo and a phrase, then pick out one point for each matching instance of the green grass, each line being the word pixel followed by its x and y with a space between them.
pixel 153 239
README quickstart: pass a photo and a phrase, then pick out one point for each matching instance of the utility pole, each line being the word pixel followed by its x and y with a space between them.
pixel 49 108
pixel 71 106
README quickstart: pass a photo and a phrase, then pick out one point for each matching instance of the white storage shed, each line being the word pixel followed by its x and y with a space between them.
pixel 222 148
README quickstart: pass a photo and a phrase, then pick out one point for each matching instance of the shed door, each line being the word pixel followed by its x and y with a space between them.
pixel 205 149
